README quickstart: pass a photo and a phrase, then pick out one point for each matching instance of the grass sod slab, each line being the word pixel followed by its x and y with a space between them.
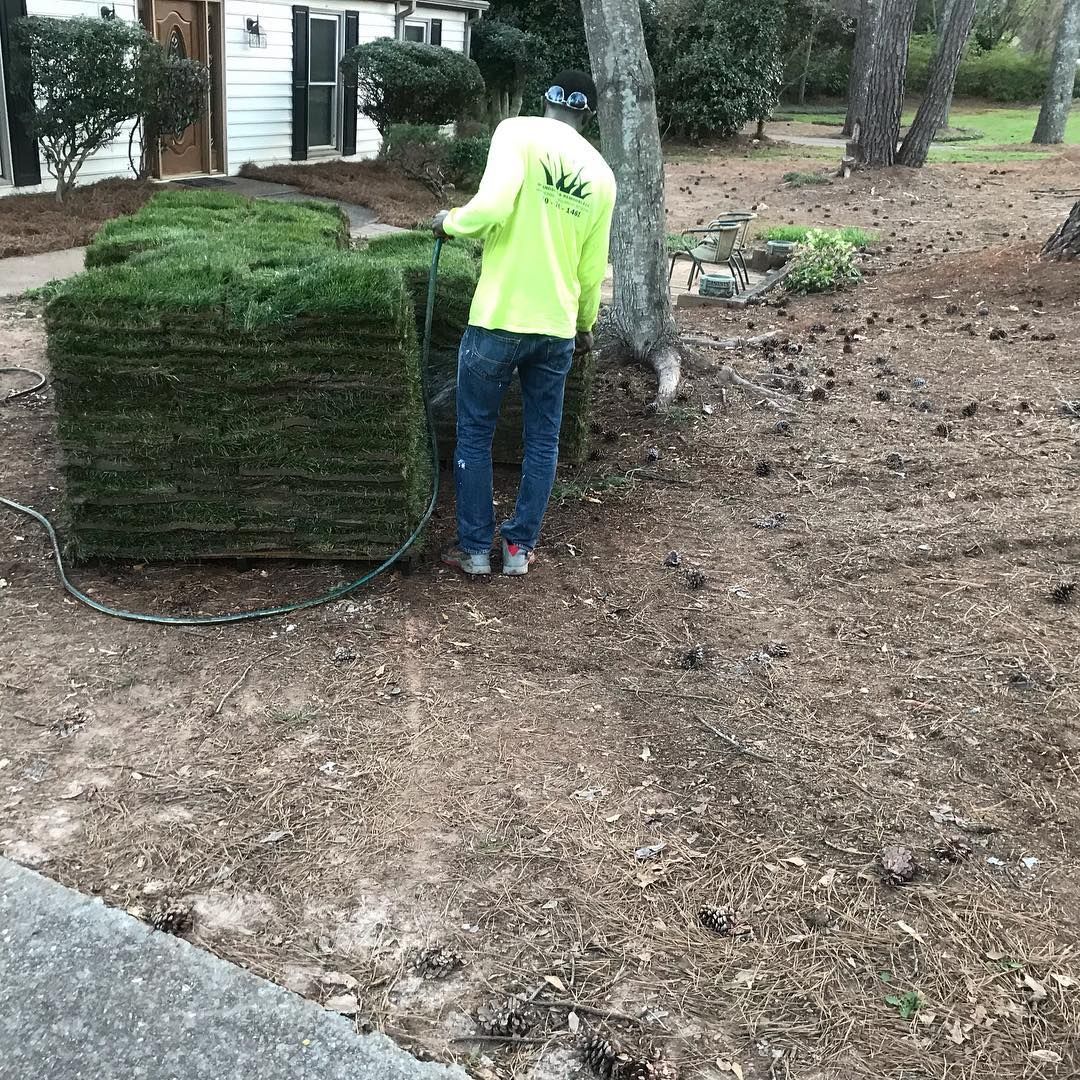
pixel 459 270
pixel 232 380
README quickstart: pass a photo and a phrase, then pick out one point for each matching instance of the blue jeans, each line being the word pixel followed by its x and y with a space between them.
pixel 487 361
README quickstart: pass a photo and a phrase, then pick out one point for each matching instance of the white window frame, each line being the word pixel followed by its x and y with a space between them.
pixel 334 147
pixel 6 178
pixel 425 24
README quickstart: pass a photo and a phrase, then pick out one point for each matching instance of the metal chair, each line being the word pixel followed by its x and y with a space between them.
pixel 743 219
pixel 714 245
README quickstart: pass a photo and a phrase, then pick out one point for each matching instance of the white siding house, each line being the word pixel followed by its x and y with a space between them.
pixel 276 94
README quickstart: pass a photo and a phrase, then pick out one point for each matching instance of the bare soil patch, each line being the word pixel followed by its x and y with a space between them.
pixel 374 184
pixel 551 777
pixel 31 224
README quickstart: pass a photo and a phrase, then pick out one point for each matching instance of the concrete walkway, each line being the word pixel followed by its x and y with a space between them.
pixel 89 993
pixel 24 272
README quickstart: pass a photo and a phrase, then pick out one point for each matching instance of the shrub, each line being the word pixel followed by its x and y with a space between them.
pixel 405 82
pixel 508 58
pixel 823 262
pixel 422 152
pixel 78 84
pixel 466 160
pixel 799 234
pixel 172 96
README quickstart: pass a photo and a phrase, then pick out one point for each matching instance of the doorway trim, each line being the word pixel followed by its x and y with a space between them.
pixel 216 128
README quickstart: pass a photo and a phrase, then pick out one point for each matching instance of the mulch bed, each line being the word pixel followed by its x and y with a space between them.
pixel 32 224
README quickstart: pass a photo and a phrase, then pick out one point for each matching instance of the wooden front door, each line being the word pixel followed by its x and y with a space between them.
pixel 181 27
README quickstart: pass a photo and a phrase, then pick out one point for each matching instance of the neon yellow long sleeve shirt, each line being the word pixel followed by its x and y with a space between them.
pixel 543 212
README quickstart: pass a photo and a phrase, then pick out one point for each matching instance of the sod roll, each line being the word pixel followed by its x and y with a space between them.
pixel 232 380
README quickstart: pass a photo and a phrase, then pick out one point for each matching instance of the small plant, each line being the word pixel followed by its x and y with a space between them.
pixel 805 179
pixel 824 262
pixel 799 234
pixel 906 1004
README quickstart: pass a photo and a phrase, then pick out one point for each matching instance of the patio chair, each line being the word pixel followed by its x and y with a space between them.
pixel 714 245
pixel 742 242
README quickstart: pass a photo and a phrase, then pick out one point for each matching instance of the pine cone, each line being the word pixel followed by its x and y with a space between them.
pixel 608 1060
pixel 782 427
pixel 763 468
pixel 673 558
pixel 1063 593
pixel 436 962
pixel 970 409
pixel 171 916
pixel 883 395
pixel 818 394
pixel 723 922
pixel 693 658
pixel 777 650
pixel 955 848
pixel 511 1018
pixel 696 579
pixel 897 865
pixel 894 461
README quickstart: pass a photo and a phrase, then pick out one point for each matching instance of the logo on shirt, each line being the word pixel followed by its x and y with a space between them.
pixel 561 182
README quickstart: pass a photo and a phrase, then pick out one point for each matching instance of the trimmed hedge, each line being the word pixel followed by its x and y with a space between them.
pixel 231 380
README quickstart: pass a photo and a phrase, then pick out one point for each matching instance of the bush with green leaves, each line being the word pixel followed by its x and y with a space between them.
pixel 172 95
pixel 466 160
pixel 508 58
pixel 425 153
pixel 406 82
pixel 822 263
pixel 798 234
pixel 78 84
pixel 718 65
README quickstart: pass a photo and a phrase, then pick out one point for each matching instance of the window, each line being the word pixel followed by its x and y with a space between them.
pixel 324 54
pixel 416 30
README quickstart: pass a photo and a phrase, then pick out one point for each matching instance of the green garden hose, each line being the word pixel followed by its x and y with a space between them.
pixel 284 609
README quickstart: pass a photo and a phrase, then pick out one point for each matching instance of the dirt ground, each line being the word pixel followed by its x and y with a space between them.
pixel 551 777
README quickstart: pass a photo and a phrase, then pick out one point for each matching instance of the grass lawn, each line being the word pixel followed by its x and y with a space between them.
pixel 997 126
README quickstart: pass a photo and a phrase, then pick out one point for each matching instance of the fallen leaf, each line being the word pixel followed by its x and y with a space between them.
pixel 380 671
pixel 731 1067
pixel 827 879
pixel 648 851
pixel 795 860
pixel 339 978
pixel 745 978
pixel 911 931
pixel 274 837
pixel 1047 1057
pixel 554 980
pixel 646 754
pixel 1066 982
pixel 345 1004
pixel 572 1022
pixel 1038 991
pixel 956 1033
pixel 927 1018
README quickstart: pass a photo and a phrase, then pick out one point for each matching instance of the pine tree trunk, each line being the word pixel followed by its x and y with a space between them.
pixel 1065 243
pixel 876 126
pixel 934 106
pixel 1059 89
pixel 869 14
pixel 642 315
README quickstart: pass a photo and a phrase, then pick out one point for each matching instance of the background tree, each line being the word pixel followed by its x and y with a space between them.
pixel 999 20
pixel 172 95
pixel 933 109
pixel 78 82
pixel 1059 89
pixel 875 128
pixel 719 65
pixel 508 59
pixel 405 82
pixel 861 59
pixel 642 317
pixel 1065 243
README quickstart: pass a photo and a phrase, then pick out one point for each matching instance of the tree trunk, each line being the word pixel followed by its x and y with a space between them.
pixel 933 108
pixel 876 127
pixel 869 14
pixel 642 316
pixel 1059 89
pixel 806 62
pixel 1065 243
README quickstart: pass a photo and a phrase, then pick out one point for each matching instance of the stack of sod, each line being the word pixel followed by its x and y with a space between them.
pixel 231 380
pixel 459 269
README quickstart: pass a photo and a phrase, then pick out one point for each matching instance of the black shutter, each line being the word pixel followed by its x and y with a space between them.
pixel 436 32
pixel 348 127
pixel 25 163
pixel 299 83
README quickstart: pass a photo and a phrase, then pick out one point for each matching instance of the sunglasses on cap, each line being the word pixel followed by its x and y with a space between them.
pixel 577 100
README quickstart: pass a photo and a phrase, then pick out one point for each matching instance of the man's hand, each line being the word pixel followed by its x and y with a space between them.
pixel 583 343
pixel 437 225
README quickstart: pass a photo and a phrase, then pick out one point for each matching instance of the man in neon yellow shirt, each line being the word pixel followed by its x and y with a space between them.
pixel 543 212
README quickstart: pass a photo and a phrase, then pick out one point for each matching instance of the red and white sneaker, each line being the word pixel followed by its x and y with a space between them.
pixel 516 560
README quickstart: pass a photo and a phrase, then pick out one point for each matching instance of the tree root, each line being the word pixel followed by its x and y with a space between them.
pixel 730 378
pixel 667 363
